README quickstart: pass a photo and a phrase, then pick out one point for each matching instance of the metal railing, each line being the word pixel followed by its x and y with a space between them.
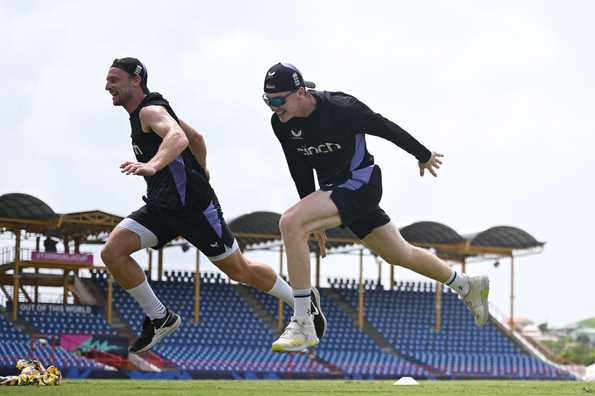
pixel 516 335
pixel 7 254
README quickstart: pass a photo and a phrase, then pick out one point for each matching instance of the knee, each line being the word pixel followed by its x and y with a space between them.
pixel 107 255
pixel 239 272
pixel 111 255
pixel 290 225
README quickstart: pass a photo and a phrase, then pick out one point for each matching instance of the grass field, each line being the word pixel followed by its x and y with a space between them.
pixel 303 388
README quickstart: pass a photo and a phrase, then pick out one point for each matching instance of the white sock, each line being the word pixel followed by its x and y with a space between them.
pixel 282 290
pixel 144 295
pixel 301 303
pixel 459 283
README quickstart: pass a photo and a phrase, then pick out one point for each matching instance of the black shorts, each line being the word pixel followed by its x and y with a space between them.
pixel 357 200
pixel 206 229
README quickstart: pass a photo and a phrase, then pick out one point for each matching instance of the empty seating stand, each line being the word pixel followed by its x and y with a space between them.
pixel 405 317
pixel 15 345
pixel 231 338
pixel 54 323
pixel 228 337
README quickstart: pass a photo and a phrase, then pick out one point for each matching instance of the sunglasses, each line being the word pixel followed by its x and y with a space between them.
pixel 277 101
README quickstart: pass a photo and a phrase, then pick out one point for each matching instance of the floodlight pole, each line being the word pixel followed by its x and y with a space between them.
pixel 317 269
pixel 360 300
pixel 392 276
pixel 16 275
pixel 279 301
pixel 438 307
pixel 37 240
pixel 150 263
pixel 160 265
pixel 379 261
pixel 65 286
pixel 110 293
pixel 511 320
pixel 197 288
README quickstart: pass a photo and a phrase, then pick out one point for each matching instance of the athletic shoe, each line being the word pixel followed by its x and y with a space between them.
pixel 477 298
pixel 154 330
pixel 297 337
pixel 319 319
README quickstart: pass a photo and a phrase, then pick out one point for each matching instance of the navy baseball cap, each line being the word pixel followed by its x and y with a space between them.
pixel 284 77
pixel 133 67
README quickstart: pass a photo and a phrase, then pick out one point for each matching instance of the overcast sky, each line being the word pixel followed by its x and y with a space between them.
pixel 503 89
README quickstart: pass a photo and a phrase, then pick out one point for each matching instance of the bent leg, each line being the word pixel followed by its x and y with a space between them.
pixel 121 243
pixel 316 212
pixel 116 257
pixel 129 236
pixel 256 274
pixel 240 269
pixel 387 242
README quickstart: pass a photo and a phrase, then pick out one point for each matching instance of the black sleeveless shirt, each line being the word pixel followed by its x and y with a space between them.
pixel 182 183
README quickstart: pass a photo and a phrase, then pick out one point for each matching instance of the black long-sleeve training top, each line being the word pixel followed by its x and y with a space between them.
pixel 332 141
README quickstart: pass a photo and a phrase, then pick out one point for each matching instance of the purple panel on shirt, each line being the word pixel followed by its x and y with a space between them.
pixel 363 174
pixel 360 149
pixel 359 178
pixel 212 216
pixel 178 172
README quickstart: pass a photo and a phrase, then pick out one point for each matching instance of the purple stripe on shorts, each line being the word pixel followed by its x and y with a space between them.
pixel 360 149
pixel 178 172
pixel 212 216
pixel 352 184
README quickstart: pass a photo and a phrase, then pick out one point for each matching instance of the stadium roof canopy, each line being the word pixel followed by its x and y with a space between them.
pixel 431 233
pixel 260 231
pixel 504 237
pixel 494 241
pixel 28 213
pixel 24 207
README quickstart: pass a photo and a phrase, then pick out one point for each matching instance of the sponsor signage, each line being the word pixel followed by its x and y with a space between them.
pixel 87 343
pixel 58 308
pixel 70 258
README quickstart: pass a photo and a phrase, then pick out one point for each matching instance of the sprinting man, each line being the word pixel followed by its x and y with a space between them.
pixel 325 131
pixel 171 156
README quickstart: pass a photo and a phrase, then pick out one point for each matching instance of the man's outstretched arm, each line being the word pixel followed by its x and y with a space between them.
pixel 375 124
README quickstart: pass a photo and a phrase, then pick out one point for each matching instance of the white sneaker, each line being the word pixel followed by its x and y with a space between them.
pixel 299 335
pixel 477 298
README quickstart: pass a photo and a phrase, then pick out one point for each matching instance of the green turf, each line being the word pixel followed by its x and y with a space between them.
pixel 303 388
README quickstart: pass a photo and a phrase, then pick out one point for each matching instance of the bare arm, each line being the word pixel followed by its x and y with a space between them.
pixel 197 144
pixel 174 141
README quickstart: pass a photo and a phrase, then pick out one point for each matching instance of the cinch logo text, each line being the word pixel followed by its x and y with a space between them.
pixel 324 148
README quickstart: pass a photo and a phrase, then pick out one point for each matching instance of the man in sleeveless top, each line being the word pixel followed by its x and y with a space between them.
pixel 325 131
pixel 171 156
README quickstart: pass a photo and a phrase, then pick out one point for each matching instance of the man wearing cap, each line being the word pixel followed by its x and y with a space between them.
pixel 171 156
pixel 325 131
